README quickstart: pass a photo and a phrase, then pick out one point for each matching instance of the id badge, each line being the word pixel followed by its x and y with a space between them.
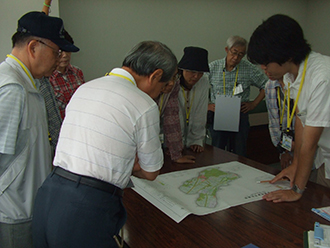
pixel 238 89
pixel 287 141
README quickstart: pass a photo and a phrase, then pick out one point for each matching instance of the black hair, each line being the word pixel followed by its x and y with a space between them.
pixel 278 39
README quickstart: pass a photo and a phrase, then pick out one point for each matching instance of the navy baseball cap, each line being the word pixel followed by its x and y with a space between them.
pixel 41 25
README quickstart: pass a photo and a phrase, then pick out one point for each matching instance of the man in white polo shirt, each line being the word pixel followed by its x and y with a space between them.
pixel 111 131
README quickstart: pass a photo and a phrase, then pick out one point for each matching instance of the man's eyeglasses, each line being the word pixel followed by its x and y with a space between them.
pixel 175 78
pixel 235 53
pixel 57 52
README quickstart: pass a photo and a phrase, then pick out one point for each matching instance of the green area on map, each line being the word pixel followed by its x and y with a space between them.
pixel 206 184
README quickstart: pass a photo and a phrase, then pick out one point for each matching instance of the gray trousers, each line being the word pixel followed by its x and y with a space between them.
pixel 16 235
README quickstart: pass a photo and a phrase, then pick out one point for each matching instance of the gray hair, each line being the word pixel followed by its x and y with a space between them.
pixel 235 40
pixel 148 56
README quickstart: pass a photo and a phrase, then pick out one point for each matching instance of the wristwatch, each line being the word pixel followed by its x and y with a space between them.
pixel 296 189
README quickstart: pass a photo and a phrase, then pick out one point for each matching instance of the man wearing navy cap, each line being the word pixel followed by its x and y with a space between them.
pixel 25 158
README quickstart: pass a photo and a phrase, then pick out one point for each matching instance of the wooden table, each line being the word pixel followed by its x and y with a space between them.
pixel 262 223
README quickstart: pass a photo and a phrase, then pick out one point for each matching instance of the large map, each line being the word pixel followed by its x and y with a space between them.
pixel 206 190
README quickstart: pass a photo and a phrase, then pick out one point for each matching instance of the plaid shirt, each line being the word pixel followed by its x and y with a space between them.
pixel 53 112
pixel 170 122
pixel 65 85
pixel 248 74
pixel 273 111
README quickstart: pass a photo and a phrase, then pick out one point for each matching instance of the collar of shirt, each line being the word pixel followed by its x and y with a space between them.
pixel 224 65
pixel 67 69
pixel 15 64
pixel 123 72
pixel 275 84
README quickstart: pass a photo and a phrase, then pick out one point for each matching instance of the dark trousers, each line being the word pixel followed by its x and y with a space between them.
pixel 235 142
pixel 69 214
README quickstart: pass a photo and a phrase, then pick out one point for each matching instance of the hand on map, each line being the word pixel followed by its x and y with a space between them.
pixel 288 172
pixel 186 159
pixel 197 148
pixel 282 196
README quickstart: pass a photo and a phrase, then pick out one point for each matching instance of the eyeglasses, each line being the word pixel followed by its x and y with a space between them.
pixel 175 78
pixel 235 53
pixel 198 73
pixel 57 52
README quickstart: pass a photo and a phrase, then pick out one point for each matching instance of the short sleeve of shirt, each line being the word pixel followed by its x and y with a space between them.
pixel 149 148
pixel 259 78
pixel 318 113
pixel 11 105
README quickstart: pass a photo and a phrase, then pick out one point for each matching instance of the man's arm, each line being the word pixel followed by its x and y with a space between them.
pixel 310 138
pixel 248 106
pixel 306 140
pixel 140 173
pixel 45 7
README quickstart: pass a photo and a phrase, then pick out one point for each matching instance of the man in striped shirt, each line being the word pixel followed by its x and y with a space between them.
pixel 111 131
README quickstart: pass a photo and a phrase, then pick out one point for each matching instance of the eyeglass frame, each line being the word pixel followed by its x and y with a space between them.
pixel 59 51
pixel 239 55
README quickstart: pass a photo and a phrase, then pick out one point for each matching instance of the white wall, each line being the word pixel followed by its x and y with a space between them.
pixel 317 30
pixel 105 30
pixel 10 12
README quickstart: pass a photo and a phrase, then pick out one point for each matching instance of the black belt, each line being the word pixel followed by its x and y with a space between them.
pixel 89 181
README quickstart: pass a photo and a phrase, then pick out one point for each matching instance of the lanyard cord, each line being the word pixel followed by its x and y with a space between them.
pixel 280 105
pixel 299 91
pixel 287 98
pixel 161 102
pixel 288 125
pixel 27 73
pixel 24 68
pixel 185 104
pixel 224 81
pixel 119 75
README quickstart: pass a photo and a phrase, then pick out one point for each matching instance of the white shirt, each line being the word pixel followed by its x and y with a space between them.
pixel 314 100
pixel 108 121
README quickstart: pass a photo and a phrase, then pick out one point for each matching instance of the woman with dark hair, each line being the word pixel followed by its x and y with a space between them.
pixel 193 97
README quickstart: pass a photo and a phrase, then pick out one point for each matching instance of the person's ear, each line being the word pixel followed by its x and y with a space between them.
pixel 226 49
pixel 156 76
pixel 32 48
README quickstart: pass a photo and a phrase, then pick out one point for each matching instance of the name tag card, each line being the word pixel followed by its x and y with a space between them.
pixel 227 113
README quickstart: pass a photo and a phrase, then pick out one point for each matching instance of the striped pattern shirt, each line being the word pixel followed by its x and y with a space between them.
pixel 108 122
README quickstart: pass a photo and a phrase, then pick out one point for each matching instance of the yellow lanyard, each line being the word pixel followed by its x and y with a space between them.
pixel 298 95
pixel 24 68
pixel 119 75
pixel 224 81
pixel 190 105
pixel 27 73
pixel 161 102
pixel 286 93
